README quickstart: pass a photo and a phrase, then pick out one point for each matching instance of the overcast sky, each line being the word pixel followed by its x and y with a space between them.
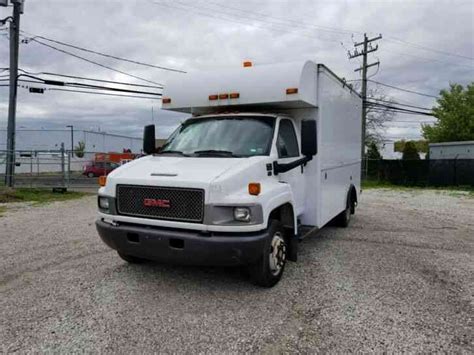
pixel 194 35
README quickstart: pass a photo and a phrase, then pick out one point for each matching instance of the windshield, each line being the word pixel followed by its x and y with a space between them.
pixel 230 136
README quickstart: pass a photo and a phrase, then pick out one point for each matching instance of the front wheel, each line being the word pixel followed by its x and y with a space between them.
pixel 269 269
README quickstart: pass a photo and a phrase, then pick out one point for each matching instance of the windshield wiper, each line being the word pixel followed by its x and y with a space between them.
pixel 173 152
pixel 216 152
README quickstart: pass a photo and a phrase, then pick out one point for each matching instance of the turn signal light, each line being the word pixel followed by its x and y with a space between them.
pixel 223 96
pixel 234 95
pixel 254 188
pixel 102 180
pixel 247 64
pixel 213 97
pixel 290 91
pixel 166 100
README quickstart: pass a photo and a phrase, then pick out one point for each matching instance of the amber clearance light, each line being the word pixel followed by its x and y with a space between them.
pixel 102 180
pixel 247 64
pixel 291 91
pixel 166 100
pixel 213 97
pixel 254 188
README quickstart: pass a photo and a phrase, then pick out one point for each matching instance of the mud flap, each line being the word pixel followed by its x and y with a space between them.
pixel 293 248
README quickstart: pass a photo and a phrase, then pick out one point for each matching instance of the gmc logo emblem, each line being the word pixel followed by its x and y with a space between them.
pixel 156 202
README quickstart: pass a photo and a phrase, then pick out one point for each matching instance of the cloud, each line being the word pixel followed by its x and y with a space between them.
pixel 201 35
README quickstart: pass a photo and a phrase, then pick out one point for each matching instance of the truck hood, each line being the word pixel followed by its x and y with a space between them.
pixel 173 171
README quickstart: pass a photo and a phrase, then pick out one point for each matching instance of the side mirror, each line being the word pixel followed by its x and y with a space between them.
pixel 309 140
pixel 149 139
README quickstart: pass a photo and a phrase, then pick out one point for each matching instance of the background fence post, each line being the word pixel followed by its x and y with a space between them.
pixel 31 169
pixel 63 168
pixel 69 158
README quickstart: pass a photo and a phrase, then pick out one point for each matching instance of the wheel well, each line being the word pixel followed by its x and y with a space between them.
pixel 285 215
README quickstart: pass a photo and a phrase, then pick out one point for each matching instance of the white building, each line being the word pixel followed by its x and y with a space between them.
pixel 452 150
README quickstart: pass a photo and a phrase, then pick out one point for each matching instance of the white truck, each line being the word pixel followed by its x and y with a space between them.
pixel 269 154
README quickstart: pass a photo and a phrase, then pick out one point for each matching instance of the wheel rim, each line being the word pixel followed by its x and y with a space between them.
pixel 277 255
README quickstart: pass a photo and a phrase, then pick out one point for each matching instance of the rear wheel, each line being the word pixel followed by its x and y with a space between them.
pixel 343 219
pixel 131 259
pixel 269 269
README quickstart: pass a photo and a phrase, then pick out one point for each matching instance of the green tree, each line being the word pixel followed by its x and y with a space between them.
pixel 79 149
pixel 410 151
pixel 455 114
pixel 373 152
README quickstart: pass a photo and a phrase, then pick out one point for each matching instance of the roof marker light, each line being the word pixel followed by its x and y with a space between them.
pixel 166 100
pixel 247 64
pixel 213 97
pixel 291 91
pixel 234 95
pixel 223 96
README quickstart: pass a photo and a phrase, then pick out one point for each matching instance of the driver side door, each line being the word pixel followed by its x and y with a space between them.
pixel 288 151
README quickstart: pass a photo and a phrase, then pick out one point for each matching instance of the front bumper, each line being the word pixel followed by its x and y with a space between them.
pixel 183 246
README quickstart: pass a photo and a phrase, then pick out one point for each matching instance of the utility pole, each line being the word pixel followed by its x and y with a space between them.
pixel 367 48
pixel 14 50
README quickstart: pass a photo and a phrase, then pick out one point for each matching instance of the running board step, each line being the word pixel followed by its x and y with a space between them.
pixel 305 230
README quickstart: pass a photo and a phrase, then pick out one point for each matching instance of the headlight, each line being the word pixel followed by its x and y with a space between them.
pixel 242 214
pixel 103 203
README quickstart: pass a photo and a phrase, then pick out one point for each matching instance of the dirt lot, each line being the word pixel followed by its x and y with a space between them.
pixel 401 278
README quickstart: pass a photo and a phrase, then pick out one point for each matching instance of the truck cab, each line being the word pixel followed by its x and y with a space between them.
pixel 235 185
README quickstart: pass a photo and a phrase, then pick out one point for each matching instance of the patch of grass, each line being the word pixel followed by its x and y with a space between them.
pixel 3 209
pixel 38 196
pixel 375 184
pixel 453 190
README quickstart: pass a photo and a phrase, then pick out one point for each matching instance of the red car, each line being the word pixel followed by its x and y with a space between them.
pixel 99 168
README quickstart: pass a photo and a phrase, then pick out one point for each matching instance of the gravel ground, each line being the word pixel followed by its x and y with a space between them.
pixel 400 279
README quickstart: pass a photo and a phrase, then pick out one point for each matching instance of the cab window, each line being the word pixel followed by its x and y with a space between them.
pixel 287 144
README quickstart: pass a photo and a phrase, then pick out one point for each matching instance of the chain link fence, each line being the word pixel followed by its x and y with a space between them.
pixel 60 169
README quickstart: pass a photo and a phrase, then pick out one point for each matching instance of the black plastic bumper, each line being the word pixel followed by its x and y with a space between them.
pixel 182 246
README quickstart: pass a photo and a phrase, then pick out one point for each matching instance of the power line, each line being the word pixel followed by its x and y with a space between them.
pixel 93 62
pixel 402 89
pixel 92 79
pixel 293 22
pixel 430 59
pixel 400 104
pixel 409 121
pixel 282 29
pixel 105 94
pixel 426 48
pixel 380 107
pixel 104 54
pixel 79 85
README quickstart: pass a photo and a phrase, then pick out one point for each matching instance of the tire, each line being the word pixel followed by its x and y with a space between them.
pixel 131 259
pixel 269 269
pixel 343 219
pixel 90 175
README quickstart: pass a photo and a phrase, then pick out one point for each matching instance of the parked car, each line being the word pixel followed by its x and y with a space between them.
pixel 95 169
